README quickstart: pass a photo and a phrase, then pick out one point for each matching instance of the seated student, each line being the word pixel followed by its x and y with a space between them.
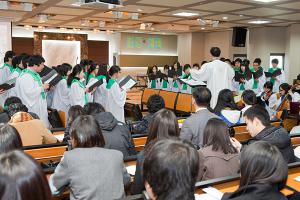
pixel 264 173
pixel 115 96
pixel 154 104
pixel 170 170
pixel 22 178
pixel 89 170
pixel 260 129
pixel 175 86
pixel 9 139
pixel 192 128
pixel 282 98
pixel 116 134
pixel 77 87
pixel 74 112
pixel 267 98
pixel 13 108
pixel 249 99
pixel 186 75
pixel 164 126
pixel 4 117
pixel 61 93
pixel 32 131
pixel 295 92
pixel 226 108
pixel 154 84
pixel 219 156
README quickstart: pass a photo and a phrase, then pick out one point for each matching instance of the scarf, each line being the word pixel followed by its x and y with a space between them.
pixel 11 69
pixel 110 83
pixel 255 82
pixel 272 70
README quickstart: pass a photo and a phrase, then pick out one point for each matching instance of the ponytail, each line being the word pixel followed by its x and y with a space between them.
pixel 90 70
pixel 76 70
pixel 113 70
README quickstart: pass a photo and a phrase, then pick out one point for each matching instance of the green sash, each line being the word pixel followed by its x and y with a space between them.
pixel 11 69
pixel 175 84
pixel 18 70
pixel 242 85
pixel 110 83
pixel 36 77
pixel 185 76
pixel 101 77
pixel 271 70
pixel 255 82
pixel 153 83
pixel 90 77
pixel 82 86
pixel 165 83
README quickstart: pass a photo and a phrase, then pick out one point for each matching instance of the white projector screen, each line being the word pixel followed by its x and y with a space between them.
pixel 5 41
pixel 57 52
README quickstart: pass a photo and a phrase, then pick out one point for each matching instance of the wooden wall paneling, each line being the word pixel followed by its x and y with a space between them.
pixel 22 45
pixel 98 51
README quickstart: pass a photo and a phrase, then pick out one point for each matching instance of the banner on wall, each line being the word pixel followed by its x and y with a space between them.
pixel 5 41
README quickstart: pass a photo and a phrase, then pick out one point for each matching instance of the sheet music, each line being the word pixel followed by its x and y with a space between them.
pixel 217 194
pixel 204 197
pixel 131 170
pixel 91 83
pixel 297 179
pixel 127 85
pixel 193 82
pixel 59 137
pixel 50 79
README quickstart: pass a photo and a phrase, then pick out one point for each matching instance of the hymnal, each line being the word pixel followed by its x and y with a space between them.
pixel 8 84
pixel 94 84
pixel 172 73
pixel 192 82
pixel 152 76
pixel 274 74
pixel 128 82
pixel 257 74
pixel 238 76
pixel 52 80
pixel 161 75
pixel 48 75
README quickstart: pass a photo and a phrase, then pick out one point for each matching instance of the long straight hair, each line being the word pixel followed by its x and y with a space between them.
pixel 216 134
pixel 113 70
pixel 77 69
pixel 225 100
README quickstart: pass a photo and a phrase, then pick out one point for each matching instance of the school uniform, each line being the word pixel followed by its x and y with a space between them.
pixel 30 90
pixel 115 100
pixel 5 71
pixel 77 93
pixel 61 96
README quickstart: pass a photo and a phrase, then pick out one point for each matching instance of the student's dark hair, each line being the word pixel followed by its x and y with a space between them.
pixel 202 96
pixel 178 66
pixel 8 55
pixel 84 62
pixel 257 60
pixel 225 100
pixel 262 163
pixel 77 69
pixel 222 59
pixel 113 70
pixel 258 112
pixel 171 168
pixel 196 65
pixel 227 60
pixel 298 77
pixel 93 108
pixel 11 100
pixel 268 85
pixel 238 60
pixel 246 64
pixel 16 61
pixel 286 87
pixel 9 139
pixel 164 125
pixel 249 97
pixel 91 69
pixel 22 178
pixel 167 67
pixel 74 112
pixel 35 60
pixel 15 108
pixel 216 134
pixel 186 66
pixel 203 62
pixel 63 69
pixel 215 51
pixel 150 69
pixel 155 103
pixel 86 132
pixel 275 61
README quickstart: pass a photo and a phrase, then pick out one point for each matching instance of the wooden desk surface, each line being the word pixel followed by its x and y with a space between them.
pixel 232 186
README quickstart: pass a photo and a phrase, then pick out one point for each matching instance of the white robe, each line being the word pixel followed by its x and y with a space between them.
pixel 77 95
pixel 248 86
pixel 99 95
pixel 12 92
pixel 4 74
pixel 218 75
pixel 90 96
pixel 261 81
pixel 29 91
pixel 61 97
pixel 115 102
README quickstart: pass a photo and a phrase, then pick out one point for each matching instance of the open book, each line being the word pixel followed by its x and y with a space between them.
pixel 211 194
pixel 8 84
pixel 274 74
pixel 128 82
pixel 94 84
pixel 257 74
pixel 52 78
pixel 192 82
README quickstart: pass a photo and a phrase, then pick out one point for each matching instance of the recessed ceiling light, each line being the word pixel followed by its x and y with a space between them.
pixel 139 10
pixel 202 28
pixel 43 18
pixel 265 1
pixel 27 27
pixel 225 18
pixel 259 22
pixel 186 14
pixel 241 15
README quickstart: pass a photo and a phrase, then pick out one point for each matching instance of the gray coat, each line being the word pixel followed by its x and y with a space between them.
pixel 91 174
pixel 193 127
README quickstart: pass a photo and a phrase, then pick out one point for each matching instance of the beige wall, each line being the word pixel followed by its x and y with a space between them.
pixel 184 48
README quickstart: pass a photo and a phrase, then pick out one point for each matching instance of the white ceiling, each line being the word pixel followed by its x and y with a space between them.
pixel 158 12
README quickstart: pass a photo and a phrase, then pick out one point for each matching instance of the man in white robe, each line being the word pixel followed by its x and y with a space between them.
pixel 31 90
pixel 218 74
